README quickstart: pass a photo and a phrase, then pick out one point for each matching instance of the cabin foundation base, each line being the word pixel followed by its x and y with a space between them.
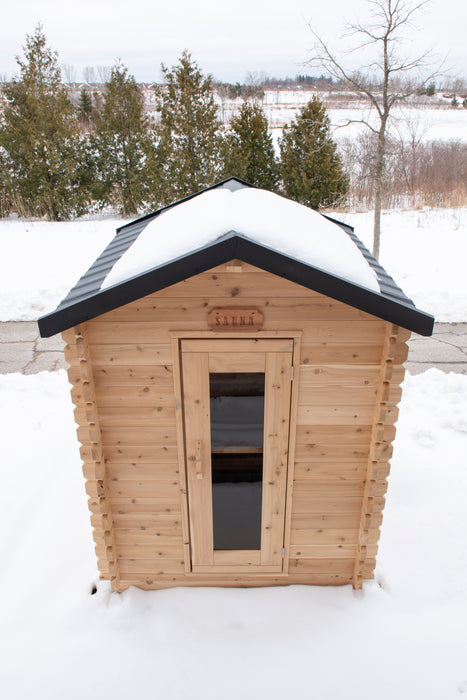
pixel 155 584
pixel 160 583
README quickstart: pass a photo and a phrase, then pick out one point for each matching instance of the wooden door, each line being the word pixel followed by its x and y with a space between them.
pixel 236 396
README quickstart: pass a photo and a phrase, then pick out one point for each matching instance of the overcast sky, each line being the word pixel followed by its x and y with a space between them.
pixel 227 39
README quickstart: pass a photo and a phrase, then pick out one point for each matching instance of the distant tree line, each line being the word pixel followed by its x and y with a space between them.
pixel 232 91
pixel 58 160
pixel 255 85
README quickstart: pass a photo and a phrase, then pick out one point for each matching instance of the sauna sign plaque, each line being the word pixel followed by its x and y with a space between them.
pixel 235 319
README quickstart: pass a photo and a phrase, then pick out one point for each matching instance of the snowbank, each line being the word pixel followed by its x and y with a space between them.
pixel 41 261
pixel 402 637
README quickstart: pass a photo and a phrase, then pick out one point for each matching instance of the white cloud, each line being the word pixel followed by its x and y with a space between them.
pixel 226 39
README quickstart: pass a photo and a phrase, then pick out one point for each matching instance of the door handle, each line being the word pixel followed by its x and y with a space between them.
pixel 198 461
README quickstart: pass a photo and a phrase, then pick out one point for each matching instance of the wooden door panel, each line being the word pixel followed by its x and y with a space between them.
pixel 198 455
pixel 275 456
pixel 237 362
pixel 199 358
pixel 234 345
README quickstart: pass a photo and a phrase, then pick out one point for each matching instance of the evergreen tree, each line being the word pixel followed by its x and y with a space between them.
pixel 39 136
pixel 311 168
pixel 250 149
pixel 122 142
pixel 189 133
pixel 85 108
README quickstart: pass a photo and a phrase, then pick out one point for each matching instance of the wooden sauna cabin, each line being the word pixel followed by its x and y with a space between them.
pixel 235 362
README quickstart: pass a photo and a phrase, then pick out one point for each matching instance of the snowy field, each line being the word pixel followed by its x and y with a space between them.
pixel 425 251
pixel 422 124
pixel 430 122
pixel 402 638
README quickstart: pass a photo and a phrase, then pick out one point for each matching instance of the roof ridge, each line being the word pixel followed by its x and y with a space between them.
pixel 152 215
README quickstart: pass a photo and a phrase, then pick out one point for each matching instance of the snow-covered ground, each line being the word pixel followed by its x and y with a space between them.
pixel 403 637
pixel 41 261
pixel 425 251
pixel 435 120
pixel 421 124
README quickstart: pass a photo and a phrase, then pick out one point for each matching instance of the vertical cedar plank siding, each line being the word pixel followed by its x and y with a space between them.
pixel 350 372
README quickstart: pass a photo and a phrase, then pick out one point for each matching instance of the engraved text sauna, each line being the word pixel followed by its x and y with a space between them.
pixel 235 319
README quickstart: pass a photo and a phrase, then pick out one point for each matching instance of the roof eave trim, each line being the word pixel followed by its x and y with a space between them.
pixel 405 315
pixel 137 287
pixel 231 246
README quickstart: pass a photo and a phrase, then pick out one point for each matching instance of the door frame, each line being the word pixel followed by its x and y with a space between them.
pixel 176 339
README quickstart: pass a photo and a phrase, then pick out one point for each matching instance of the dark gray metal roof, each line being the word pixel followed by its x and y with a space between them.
pixel 86 300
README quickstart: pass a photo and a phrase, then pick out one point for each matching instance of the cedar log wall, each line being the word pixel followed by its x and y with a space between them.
pixel 122 376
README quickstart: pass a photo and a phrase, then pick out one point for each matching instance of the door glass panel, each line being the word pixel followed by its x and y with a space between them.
pixel 237 426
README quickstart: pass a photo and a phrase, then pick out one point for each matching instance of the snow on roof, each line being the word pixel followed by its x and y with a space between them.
pixel 264 217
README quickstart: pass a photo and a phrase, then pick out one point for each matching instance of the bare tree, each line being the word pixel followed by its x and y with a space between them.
pixel 104 73
pixel 411 134
pixel 89 74
pixel 454 84
pixel 386 81
pixel 256 78
pixel 70 73
pixel 254 84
